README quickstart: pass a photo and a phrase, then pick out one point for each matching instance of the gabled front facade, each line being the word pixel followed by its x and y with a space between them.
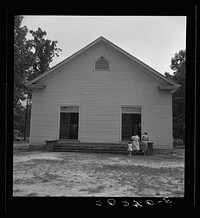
pixel 101 94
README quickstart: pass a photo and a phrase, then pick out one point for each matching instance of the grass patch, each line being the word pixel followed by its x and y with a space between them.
pixel 17 181
pixel 46 177
pixel 20 141
pixel 97 189
pixel 136 169
pixel 33 194
pixel 16 190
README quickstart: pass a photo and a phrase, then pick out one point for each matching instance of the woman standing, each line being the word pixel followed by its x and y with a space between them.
pixel 135 142
pixel 144 141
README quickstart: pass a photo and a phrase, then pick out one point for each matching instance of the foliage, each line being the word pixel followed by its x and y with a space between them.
pixel 19 118
pixel 178 64
pixel 44 52
pixel 31 58
pixel 23 59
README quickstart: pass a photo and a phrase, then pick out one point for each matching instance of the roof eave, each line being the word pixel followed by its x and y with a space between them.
pixel 35 86
pixel 169 87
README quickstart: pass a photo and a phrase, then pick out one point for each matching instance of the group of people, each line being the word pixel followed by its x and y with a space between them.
pixel 135 145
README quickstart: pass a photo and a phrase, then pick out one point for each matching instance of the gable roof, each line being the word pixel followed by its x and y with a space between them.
pixel 169 83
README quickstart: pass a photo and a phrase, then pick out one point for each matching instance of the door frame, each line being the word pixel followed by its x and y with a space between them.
pixel 120 123
pixel 58 121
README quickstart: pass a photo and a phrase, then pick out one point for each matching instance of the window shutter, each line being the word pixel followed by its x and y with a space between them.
pixel 101 64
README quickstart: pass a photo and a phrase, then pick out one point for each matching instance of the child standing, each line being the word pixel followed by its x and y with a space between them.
pixel 129 148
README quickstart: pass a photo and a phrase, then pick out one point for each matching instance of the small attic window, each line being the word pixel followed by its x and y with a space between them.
pixel 102 64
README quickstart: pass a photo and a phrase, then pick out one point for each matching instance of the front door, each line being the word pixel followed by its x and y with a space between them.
pixel 73 130
pixel 130 123
pixel 126 127
pixel 69 118
pixel 64 125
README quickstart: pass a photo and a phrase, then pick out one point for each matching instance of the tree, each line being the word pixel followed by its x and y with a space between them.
pixel 178 64
pixel 31 58
pixel 44 51
pixel 19 118
pixel 23 59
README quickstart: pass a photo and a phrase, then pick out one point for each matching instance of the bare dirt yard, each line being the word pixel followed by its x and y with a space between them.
pixel 41 173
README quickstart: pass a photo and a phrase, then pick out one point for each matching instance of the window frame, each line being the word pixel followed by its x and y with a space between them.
pixel 106 69
pixel 120 117
pixel 59 114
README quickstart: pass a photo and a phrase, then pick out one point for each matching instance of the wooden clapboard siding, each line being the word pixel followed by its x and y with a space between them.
pixel 100 95
pixel 157 120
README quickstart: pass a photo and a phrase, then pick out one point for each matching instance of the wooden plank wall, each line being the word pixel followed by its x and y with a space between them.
pixel 100 95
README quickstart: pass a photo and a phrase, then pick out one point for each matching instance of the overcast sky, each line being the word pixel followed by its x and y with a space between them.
pixel 152 39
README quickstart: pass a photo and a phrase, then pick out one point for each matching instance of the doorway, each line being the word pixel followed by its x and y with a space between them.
pixel 69 125
pixel 131 122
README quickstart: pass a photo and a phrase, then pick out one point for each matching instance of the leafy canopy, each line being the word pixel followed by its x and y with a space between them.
pixel 178 64
pixel 31 58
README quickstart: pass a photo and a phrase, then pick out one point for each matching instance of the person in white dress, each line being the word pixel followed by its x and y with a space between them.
pixel 129 149
pixel 135 142
pixel 144 141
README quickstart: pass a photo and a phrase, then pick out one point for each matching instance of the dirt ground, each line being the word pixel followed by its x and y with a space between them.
pixel 41 173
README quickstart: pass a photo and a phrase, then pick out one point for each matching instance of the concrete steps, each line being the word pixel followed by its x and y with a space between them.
pixel 72 146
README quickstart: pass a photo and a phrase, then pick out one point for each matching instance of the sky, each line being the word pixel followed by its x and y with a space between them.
pixel 152 39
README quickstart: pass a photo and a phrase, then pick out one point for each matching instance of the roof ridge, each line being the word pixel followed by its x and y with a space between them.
pixel 66 59
pixel 124 52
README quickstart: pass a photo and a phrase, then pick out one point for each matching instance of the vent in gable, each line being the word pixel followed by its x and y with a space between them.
pixel 102 64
